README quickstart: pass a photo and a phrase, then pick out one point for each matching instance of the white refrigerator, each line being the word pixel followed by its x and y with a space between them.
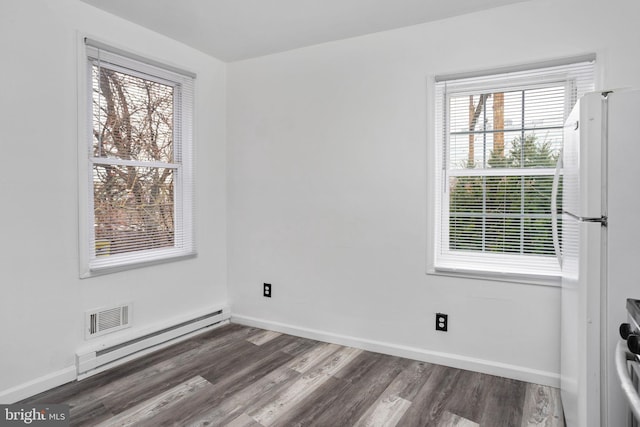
pixel 599 251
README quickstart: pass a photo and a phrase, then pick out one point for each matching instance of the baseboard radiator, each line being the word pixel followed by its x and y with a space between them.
pixel 94 361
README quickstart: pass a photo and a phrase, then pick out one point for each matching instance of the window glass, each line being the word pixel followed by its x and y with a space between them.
pixel 500 140
pixel 139 167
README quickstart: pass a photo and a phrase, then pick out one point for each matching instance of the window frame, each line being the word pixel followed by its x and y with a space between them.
pixel 183 84
pixel 441 259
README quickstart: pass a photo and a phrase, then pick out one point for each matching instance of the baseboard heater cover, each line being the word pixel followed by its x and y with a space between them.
pixel 92 362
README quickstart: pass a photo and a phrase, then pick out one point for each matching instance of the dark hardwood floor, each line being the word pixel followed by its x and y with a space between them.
pixel 241 376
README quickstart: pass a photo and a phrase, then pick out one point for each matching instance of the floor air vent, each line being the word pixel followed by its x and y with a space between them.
pixel 106 320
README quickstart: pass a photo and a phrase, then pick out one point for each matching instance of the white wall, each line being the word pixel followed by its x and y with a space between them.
pixel 328 185
pixel 327 188
pixel 43 300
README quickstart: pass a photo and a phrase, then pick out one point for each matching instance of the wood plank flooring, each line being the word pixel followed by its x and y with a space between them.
pixel 247 377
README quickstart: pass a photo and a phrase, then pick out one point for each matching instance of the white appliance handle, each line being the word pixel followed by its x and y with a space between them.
pixel 554 209
pixel 625 380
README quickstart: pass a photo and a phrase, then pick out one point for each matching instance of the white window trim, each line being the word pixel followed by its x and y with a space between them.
pixel 445 264
pixel 184 247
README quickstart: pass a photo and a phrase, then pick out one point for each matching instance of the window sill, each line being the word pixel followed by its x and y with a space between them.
pixel 524 279
pixel 93 271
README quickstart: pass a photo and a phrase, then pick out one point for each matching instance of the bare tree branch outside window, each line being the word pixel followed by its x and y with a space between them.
pixel 132 122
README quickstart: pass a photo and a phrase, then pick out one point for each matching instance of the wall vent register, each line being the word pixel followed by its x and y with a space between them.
pixel 107 319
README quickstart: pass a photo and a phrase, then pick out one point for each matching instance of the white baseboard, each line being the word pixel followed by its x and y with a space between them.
pixel 103 355
pixel 38 385
pixel 55 379
pixel 138 354
pixel 447 359
pixel 63 376
pixel 116 338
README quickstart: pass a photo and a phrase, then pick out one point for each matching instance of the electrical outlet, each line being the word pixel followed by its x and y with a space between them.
pixel 266 290
pixel 442 321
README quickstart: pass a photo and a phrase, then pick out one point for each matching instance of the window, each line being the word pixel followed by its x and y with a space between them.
pixel 498 139
pixel 138 158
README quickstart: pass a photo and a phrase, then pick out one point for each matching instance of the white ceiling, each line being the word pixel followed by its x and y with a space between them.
pixel 232 30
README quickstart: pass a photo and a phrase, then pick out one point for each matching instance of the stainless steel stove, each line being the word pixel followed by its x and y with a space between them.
pixel 628 360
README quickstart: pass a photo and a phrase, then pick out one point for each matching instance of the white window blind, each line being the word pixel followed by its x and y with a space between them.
pixel 498 138
pixel 139 161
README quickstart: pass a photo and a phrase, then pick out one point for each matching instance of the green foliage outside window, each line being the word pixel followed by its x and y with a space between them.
pixel 505 213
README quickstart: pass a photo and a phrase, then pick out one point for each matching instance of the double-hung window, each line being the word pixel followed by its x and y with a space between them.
pixel 498 139
pixel 138 163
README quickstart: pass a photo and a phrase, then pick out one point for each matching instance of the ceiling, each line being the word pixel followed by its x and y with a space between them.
pixel 233 30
